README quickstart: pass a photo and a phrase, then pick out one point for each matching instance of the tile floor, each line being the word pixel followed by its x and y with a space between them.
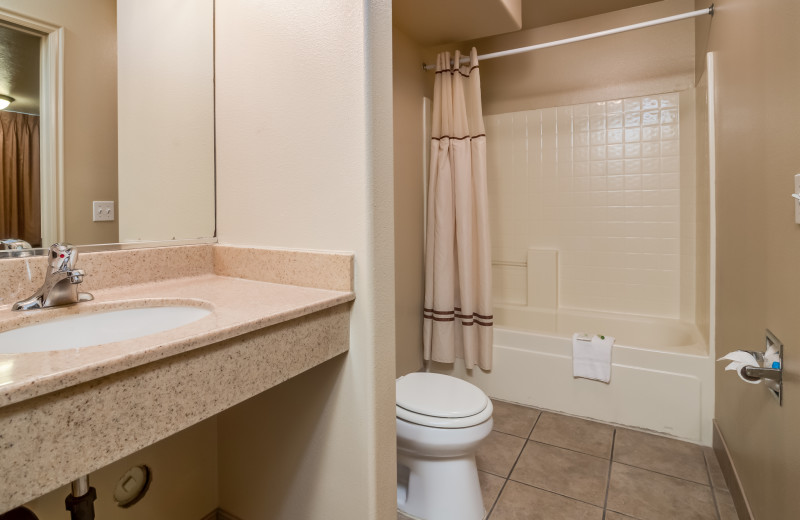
pixel 547 466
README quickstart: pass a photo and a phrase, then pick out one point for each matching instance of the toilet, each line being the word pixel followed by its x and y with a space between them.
pixel 441 420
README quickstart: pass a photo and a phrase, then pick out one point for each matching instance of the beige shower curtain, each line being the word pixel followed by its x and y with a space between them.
pixel 458 272
pixel 20 215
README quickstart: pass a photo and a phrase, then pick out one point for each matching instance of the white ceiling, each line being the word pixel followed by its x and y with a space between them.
pixel 434 22
pixel 19 69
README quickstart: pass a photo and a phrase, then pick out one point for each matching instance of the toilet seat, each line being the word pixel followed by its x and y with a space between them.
pixel 440 401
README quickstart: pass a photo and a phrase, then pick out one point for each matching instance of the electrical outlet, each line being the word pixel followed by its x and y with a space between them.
pixel 102 210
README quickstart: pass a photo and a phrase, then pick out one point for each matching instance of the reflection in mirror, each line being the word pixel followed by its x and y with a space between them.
pixel 124 91
pixel 20 217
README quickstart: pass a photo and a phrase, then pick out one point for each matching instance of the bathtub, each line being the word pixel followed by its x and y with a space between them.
pixel 662 376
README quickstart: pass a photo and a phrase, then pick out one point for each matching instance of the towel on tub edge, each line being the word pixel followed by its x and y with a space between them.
pixel 591 357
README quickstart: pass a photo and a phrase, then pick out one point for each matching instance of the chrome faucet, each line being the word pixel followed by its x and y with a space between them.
pixel 60 282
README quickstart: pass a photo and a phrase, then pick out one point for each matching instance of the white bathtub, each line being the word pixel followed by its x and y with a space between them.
pixel 662 375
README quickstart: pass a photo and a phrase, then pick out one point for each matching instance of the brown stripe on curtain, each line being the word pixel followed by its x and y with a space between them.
pixel 20 215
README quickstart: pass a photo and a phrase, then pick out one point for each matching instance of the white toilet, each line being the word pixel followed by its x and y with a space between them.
pixel 441 420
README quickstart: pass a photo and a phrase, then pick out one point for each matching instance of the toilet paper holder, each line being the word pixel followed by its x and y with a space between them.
pixel 772 377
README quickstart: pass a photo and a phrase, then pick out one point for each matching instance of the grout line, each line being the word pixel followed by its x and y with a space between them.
pixel 711 486
pixel 575 451
pixel 508 477
pixel 610 464
pixel 555 493
pixel 664 474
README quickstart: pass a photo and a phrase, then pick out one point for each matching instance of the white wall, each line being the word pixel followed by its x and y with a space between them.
pixel 166 119
pixel 304 129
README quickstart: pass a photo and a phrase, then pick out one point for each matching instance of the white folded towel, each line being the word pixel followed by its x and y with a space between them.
pixel 591 357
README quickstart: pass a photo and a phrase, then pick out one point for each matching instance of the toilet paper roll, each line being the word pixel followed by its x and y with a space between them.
pixel 771 356
pixel 739 360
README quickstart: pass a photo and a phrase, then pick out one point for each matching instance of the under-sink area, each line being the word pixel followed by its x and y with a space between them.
pixel 71 376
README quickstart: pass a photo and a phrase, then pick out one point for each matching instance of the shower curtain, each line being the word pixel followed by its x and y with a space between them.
pixel 458 272
pixel 20 215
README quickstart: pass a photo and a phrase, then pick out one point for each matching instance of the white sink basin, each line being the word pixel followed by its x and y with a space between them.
pixel 96 328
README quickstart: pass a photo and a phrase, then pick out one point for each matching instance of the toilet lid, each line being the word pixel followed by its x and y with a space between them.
pixel 438 395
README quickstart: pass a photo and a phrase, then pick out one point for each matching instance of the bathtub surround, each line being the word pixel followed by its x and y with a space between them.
pixel 458 280
pixel 602 185
pixel 259 335
pixel 594 227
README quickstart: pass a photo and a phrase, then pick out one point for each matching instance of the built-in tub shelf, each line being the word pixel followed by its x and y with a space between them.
pixel 64 414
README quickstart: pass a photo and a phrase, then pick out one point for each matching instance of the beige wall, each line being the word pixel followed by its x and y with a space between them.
pixel 304 160
pixel 183 487
pixel 648 61
pixel 166 119
pixel 758 244
pixel 409 187
pixel 90 108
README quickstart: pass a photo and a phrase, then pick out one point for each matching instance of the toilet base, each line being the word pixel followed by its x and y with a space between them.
pixel 439 488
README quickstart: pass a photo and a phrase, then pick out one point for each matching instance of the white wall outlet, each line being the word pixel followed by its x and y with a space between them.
pixel 796 200
pixel 102 210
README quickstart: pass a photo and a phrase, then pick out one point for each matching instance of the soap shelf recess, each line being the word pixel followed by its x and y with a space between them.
pixel 772 377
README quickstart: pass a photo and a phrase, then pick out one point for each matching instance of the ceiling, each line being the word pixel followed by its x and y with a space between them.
pixel 434 22
pixel 431 22
pixel 19 69
pixel 538 13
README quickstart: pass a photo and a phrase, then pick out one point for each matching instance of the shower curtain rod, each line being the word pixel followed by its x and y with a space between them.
pixel 700 12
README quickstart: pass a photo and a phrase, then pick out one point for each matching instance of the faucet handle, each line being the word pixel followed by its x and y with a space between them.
pixel 76 276
pixel 62 257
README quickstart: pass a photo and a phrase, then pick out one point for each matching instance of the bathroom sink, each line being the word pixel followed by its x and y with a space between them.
pixel 96 328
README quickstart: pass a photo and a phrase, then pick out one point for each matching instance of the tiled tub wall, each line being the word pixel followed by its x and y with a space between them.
pixel 611 187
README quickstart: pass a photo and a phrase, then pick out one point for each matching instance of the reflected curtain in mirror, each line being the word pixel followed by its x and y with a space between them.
pixel 20 215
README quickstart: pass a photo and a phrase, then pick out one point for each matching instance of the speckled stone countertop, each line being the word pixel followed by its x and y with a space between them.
pixel 238 307
pixel 189 275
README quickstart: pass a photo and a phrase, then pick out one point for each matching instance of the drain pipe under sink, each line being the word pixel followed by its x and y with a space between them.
pixel 80 503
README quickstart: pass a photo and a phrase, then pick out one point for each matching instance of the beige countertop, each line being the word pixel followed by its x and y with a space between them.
pixel 239 306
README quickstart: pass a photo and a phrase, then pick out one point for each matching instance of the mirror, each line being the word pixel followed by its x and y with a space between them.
pixel 121 93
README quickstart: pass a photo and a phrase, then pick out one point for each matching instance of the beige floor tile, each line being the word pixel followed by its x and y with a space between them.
pixel 714 471
pixel 644 494
pixel 513 418
pixel 727 511
pixel 576 475
pixel 490 488
pixel 574 434
pixel 668 456
pixel 521 502
pixel 611 515
pixel 498 453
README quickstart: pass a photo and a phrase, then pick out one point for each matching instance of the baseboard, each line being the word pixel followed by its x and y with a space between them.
pixel 731 476
pixel 219 514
